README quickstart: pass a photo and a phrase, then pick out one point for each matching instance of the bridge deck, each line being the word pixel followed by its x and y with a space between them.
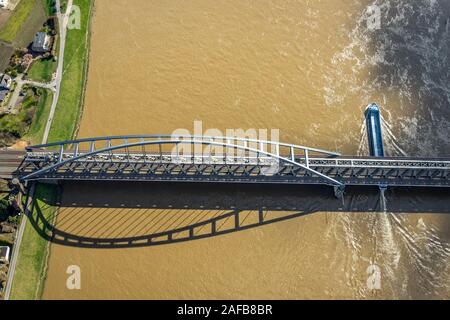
pixel 9 162
pixel 215 159
pixel 225 169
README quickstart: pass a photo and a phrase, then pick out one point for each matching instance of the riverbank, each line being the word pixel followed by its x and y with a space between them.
pixel 73 83
pixel 35 248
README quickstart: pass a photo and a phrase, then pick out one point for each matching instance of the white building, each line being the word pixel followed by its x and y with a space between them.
pixel 5 86
pixel 4 3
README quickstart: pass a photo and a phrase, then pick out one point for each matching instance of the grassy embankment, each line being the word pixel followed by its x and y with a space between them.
pixel 31 269
pixel 72 86
pixel 36 131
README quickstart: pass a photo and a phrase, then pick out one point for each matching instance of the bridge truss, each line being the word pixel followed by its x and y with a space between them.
pixel 221 159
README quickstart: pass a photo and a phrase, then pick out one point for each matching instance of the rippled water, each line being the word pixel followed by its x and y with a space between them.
pixel 308 68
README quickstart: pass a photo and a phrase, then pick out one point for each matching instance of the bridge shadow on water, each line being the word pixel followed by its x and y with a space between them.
pixel 124 215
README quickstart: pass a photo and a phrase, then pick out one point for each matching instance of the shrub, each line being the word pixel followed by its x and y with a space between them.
pixel 4 206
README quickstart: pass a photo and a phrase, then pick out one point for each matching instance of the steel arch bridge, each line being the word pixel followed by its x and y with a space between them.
pixel 221 160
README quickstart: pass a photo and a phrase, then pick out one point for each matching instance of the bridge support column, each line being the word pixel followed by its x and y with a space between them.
pixel 261 216
pixel 237 222
pixel 339 192
pixel 383 202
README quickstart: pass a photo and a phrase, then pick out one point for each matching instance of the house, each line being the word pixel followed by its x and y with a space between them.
pixel 5 86
pixel 4 3
pixel 3 95
pixel 4 254
pixel 5 81
pixel 41 42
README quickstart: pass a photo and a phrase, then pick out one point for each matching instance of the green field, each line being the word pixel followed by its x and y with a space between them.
pixel 36 131
pixel 6 51
pixel 17 19
pixel 27 19
pixel 31 264
pixel 30 122
pixel 72 86
pixel 42 70
pixel 49 6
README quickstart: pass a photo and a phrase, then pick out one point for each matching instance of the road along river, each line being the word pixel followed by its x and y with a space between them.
pixel 307 68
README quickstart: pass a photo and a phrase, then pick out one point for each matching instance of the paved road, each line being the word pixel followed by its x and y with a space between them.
pixel 20 82
pixel 15 96
pixel 50 85
pixel 63 22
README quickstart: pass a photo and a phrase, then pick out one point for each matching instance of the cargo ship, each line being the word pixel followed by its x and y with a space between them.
pixel 374 131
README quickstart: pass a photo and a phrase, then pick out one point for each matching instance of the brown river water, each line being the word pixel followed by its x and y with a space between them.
pixel 307 68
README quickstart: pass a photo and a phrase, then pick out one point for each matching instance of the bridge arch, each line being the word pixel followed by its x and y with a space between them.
pixel 149 140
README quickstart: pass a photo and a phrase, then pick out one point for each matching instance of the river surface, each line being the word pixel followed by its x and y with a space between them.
pixel 307 68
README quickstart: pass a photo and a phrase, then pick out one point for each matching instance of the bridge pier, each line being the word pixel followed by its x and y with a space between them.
pixel 383 202
pixel 339 192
